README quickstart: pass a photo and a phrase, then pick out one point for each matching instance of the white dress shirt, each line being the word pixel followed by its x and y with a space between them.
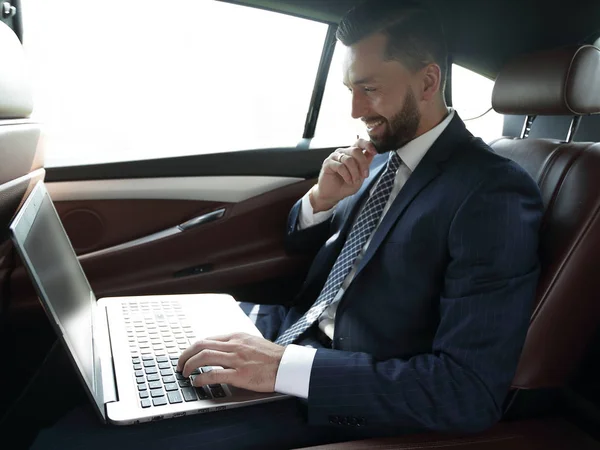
pixel 293 376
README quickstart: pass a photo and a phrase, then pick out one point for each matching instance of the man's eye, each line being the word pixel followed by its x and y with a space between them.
pixel 369 89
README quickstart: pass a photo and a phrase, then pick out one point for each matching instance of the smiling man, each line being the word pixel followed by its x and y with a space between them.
pixel 414 311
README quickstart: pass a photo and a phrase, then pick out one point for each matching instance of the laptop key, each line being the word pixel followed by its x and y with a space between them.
pixel 185 383
pixel 137 367
pixel 174 362
pixel 153 377
pixel 171 387
pixel 164 365
pixel 155 385
pixel 147 358
pixel 157 393
pixel 144 394
pixel 189 394
pixel 140 380
pixel 159 401
pixel 169 379
pixel 180 376
pixel 142 387
pixel 166 372
pixel 174 397
pixel 139 373
pixel 162 359
pixel 146 403
pixel 149 363
pixel 217 391
pixel 202 394
pixel 150 370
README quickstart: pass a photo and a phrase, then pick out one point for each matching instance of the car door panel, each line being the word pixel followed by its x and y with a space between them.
pixel 244 247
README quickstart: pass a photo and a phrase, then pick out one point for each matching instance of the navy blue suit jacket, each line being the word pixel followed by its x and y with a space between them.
pixel 429 333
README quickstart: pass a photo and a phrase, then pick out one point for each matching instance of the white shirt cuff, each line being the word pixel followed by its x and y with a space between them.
pixel 307 217
pixel 293 375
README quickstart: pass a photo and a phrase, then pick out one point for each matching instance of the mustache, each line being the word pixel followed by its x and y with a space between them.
pixel 366 120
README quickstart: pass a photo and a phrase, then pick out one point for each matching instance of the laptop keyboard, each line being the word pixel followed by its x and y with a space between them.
pixel 157 333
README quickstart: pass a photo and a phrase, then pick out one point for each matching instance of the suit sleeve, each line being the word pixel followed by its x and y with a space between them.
pixel 485 307
pixel 299 240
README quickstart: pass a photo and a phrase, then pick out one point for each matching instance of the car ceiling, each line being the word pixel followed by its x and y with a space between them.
pixel 482 34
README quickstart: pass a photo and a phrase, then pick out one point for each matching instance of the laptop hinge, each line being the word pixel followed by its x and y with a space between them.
pixel 102 345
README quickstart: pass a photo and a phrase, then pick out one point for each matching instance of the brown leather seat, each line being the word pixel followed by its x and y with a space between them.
pixel 563 82
pixel 21 159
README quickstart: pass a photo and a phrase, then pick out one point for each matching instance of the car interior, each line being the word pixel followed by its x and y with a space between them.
pixel 231 208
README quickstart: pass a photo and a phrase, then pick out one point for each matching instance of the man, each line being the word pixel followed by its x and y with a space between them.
pixel 415 309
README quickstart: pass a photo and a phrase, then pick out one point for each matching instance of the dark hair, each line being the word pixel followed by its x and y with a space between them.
pixel 415 33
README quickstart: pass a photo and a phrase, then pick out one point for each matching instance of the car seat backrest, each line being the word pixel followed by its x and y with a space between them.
pixel 555 84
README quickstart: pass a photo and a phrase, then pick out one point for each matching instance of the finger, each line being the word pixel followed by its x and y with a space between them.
pixel 198 346
pixel 335 156
pixel 341 170
pixel 367 146
pixel 216 376
pixel 224 337
pixel 209 358
pixel 361 158
pixel 353 167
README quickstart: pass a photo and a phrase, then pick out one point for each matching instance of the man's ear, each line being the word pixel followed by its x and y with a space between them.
pixel 431 81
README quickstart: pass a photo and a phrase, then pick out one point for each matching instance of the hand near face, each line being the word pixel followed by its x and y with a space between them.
pixel 248 362
pixel 342 175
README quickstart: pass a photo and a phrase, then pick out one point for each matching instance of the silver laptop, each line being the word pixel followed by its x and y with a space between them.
pixel 125 349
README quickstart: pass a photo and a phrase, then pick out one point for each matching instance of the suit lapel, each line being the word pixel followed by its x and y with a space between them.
pixel 427 170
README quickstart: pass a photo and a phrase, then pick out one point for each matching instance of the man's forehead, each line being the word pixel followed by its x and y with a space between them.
pixel 360 65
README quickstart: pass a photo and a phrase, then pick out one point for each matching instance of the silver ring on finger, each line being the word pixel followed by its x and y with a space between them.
pixel 342 157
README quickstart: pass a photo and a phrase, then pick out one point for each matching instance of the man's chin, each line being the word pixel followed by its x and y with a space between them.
pixel 381 147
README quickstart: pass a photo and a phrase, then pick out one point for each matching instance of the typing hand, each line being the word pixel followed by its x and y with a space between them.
pixel 247 362
pixel 342 175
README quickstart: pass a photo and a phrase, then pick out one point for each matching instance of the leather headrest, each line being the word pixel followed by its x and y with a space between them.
pixel 16 100
pixel 564 81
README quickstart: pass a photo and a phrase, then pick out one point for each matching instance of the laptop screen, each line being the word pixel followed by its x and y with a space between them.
pixel 65 292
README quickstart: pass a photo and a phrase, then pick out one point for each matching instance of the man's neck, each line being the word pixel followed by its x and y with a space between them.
pixel 432 120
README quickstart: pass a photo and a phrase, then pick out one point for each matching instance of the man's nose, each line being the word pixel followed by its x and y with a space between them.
pixel 359 105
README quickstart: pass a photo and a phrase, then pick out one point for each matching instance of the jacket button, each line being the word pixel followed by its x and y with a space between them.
pixel 361 422
pixel 353 421
pixel 344 421
pixel 334 420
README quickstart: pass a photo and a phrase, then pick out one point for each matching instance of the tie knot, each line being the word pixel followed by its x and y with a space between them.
pixel 394 161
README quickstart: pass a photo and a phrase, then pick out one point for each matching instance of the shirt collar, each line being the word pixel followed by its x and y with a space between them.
pixel 413 152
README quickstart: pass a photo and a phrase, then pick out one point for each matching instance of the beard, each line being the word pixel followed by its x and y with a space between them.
pixel 401 128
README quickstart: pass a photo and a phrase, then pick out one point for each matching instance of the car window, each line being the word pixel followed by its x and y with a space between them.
pixel 156 79
pixel 335 125
pixel 472 100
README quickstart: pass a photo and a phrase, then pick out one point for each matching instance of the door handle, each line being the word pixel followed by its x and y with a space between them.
pixel 201 220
